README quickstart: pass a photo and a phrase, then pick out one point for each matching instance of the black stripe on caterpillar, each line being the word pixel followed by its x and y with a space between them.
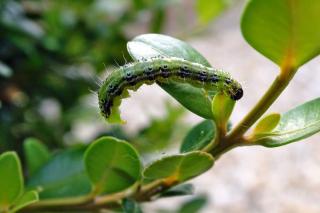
pixel 160 69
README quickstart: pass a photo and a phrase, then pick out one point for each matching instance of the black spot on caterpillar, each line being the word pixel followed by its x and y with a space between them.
pixel 160 69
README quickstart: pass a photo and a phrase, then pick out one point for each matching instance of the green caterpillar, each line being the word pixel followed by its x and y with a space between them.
pixel 160 69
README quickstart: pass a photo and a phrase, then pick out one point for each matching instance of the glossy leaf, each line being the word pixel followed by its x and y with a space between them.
pixel 36 154
pixel 180 190
pixel 112 165
pixel 267 124
pixel 199 136
pixel 296 124
pixel 151 45
pixel 11 179
pixel 179 168
pixel 62 176
pixel 26 199
pixel 285 31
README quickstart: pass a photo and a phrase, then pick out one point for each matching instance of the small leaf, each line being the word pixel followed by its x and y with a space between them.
pixel 112 165
pixel 26 199
pixel 180 190
pixel 151 45
pixel 267 124
pixel 62 176
pixel 298 123
pixel 199 136
pixel 222 107
pixel 130 206
pixel 11 179
pixel 36 154
pixel 285 31
pixel 179 168
pixel 194 205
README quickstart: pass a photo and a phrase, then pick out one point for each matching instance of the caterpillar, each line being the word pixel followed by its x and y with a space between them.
pixel 160 69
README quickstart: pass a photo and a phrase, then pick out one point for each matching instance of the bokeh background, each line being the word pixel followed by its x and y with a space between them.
pixel 53 54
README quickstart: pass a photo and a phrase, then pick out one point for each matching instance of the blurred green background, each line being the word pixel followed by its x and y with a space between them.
pixel 53 54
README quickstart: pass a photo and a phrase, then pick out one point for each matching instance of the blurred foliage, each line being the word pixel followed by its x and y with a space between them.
pixel 49 56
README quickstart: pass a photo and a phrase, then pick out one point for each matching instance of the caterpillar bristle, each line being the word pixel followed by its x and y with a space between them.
pixel 162 69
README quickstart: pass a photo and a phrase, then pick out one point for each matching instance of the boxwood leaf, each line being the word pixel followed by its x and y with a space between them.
pixel 62 176
pixel 112 165
pixel 222 107
pixel 298 123
pixel 26 199
pixel 267 124
pixel 199 136
pixel 11 179
pixel 179 168
pixel 152 45
pixel 36 154
pixel 285 31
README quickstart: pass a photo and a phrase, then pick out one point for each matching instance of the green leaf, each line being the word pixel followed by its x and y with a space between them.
pixel 208 10
pixel 26 199
pixel 285 31
pixel 112 165
pixel 151 45
pixel 298 123
pixel 199 136
pixel 180 190
pixel 62 176
pixel 194 205
pixel 36 154
pixel 267 124
pixel 130 206
pixel 179 168
pixel 11 179
pixel 222 107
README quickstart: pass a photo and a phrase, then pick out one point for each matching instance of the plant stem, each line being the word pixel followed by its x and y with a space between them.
pixel 274 91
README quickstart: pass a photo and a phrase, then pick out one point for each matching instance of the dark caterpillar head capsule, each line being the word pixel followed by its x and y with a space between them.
pixel 237 94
